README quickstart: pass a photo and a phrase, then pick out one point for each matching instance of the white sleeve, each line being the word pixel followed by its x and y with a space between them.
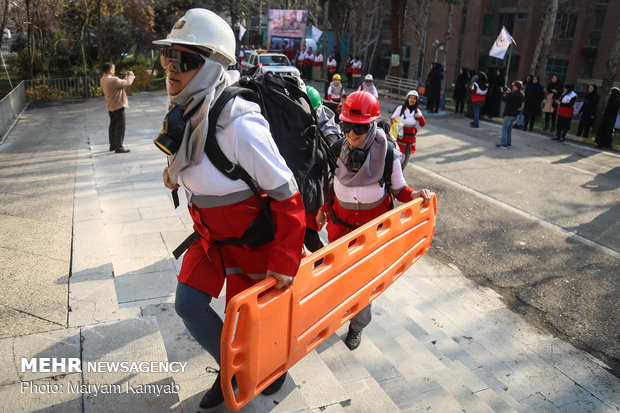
pixel 257 153
pixel 398 180
pixel 396 112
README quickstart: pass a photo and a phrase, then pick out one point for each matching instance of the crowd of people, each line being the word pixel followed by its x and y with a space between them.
pixel 526 101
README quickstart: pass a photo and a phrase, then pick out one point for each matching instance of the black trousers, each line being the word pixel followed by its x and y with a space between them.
pixel 116 131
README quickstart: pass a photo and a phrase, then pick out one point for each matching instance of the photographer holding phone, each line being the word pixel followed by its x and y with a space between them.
pixel 116 101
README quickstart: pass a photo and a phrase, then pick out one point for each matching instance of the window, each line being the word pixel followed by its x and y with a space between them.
pixel 487 27
pixel 521 17
pixel 508 21
pixel 566 25
pixel 557 67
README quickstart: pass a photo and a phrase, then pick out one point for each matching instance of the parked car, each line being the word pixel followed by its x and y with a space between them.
pixel 276 63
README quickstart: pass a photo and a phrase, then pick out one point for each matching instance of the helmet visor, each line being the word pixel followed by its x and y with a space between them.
pixel 181 61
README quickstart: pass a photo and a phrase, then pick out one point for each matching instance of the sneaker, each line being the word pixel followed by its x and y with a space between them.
pixel 562 139
pixel 353 339
pixel 503 147
pixel 499 145
pixel 474 126
pixel 214 396
pixel 121 150
pixel 275 386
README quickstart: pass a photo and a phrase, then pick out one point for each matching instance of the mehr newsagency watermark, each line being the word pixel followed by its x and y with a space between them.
pixel 75 365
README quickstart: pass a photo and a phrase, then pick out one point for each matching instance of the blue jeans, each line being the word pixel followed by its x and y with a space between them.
pixel 519 118
pixel 477 107
pixel 507 130
pixel 203 323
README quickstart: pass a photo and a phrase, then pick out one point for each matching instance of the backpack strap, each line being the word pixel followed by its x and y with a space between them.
pixel 234 172
pixel 387 173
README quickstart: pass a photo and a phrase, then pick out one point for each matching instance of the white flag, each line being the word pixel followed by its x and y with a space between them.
pixel 241 31
pixel 501 44
pixel 316 33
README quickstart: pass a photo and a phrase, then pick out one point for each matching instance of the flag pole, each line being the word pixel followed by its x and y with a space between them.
pixel 508 65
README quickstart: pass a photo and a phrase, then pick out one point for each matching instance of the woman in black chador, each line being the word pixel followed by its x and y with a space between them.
pixel 606 131
pixel 460 89
pixel 588 111
pixel 534 95
pixel 433 87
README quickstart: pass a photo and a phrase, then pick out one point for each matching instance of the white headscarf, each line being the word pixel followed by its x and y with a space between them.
pixel 204 89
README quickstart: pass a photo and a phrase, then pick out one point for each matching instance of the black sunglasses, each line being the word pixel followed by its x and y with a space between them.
pixel 181 61
pixel 357 128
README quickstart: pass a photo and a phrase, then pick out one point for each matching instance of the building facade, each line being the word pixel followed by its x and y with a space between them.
pixel 582 40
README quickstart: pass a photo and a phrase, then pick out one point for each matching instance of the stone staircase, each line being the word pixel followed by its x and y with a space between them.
pixel 437 342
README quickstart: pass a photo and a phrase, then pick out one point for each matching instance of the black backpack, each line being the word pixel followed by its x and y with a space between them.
pixel 294 128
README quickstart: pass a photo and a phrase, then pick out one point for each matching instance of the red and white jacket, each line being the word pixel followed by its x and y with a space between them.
pixel 356 68
pixel 336 93
pixel 332 66
pixel 222 209
pixel 567 102
pixel 318 60
pixel 309 59
pixel 478 95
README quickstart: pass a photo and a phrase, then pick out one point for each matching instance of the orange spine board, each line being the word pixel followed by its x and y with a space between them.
pixel 266 331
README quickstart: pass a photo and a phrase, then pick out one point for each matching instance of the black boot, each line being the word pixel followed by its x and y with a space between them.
pixel 353 339
pixel 275 386
pixel 214 396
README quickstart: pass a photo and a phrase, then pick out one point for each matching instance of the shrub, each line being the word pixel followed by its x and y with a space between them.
pixel 43 92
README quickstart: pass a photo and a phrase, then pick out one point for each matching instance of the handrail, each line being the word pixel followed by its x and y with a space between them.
pixel 62 88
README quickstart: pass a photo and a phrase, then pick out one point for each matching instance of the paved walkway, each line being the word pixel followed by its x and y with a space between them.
pixel 72 209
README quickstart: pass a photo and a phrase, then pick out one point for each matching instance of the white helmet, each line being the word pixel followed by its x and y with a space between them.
pixel 368 77
pixel 412 93
pixel 206 30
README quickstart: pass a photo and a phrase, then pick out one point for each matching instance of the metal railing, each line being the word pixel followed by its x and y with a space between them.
pixel 66 88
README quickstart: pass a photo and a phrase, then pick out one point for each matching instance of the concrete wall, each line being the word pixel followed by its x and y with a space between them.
pixel 10 106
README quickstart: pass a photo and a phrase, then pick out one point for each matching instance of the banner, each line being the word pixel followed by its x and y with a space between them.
pixel 500 47
pixel 287 23
pixel 242 31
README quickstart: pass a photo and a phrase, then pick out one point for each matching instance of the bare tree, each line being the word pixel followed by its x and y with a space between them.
pixel 5 15
pixel 420 18
pixel 399 12
pixel 543 46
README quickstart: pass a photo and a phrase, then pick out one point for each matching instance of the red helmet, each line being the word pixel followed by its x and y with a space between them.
pixel 361 107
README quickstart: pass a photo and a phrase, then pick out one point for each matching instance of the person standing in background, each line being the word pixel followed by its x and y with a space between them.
pixel 552 93
pixel 318 66
pixel 565 105
pixel 460 88
pixel 116 101
pixel 605 133
pixel 349 71
pixel 514 101
pixel 588 111
pixel 534 95
pixel 433 87
pixel 479 90
pixel 357 72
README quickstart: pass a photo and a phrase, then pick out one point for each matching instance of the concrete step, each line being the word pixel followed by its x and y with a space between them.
pixel 310 384
pixel 136 340
pixel 92 294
